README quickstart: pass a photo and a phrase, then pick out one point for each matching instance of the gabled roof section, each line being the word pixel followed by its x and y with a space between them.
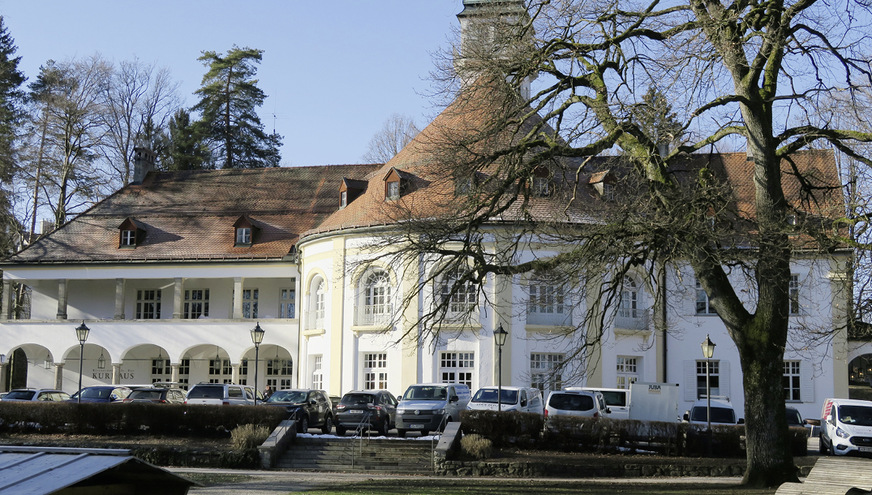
pixel 188 215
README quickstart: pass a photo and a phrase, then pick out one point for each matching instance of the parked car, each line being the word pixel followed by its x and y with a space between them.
pixel 309 408
pixel 793 417
pixel 36 395
pixel 579 403
pixel 617 400
pixel 157 395
pixel 221 394
pixel 370 409
pixel 846 427
pixel 101 393
pixel 722 413
pixel 428 407
pixel 518 399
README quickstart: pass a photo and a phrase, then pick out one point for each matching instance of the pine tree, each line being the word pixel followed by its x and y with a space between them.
pixel 229 98
pixel 11 114
pixel 185 149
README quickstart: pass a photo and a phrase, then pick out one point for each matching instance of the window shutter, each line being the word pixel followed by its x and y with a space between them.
pixel 724 373
pixel 690 380
pixel 806 387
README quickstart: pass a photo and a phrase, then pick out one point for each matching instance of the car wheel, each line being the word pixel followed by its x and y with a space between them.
pixel 340 431
pixel 424 433
pixel 822 447
pixel 442 425
pixel 382 428
pixel 303 424
pixel 401 433
pixel 328 424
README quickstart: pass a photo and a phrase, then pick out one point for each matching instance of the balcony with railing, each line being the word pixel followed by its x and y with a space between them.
pixel 632 319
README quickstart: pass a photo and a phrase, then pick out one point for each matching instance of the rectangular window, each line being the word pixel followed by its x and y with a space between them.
pixel 464 299
pixel 343 199
pixel 375 373
pixel 249 303
pixel 545 373
pixel 243 368
pixel 545 298
pixel 456 367
pixel 184 373
pixel 628 371
pixel 317 374
pixel 196 304
pixel 394 190
pixel 243 235
pixel 148 304
pixel 541 187
pixel 793 294
pixel 287 302
pixel 791 381
pixel 128 237
pixel 714 379
pixel 159 369
pixel 702 301
pixel 277 367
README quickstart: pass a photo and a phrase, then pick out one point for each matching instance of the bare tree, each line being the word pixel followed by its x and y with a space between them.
pixel 759 75
pixel 140 99
pixel 394 135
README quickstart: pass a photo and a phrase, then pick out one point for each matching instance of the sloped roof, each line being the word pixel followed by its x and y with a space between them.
pixel 42 471
pixel 190 215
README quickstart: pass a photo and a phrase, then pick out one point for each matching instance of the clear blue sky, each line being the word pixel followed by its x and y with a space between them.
pixel 333 70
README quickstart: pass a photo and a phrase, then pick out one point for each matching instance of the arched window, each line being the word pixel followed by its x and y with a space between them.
pixel 628 307
pixel 317 303
pixel 376 299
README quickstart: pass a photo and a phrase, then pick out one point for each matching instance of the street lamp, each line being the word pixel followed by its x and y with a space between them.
pixel 82 332
pixel 500 338
pixel 256 338
pixel 708 350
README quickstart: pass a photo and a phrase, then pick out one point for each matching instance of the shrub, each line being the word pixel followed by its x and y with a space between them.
pixel 248 436
pixel 476 446
pixel 504 428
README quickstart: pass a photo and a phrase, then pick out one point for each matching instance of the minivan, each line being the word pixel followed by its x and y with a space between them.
pixel 518 399
pixel 721 411
pixel 221 394
pixel 579 403
pixel 429 407
pixel 618 400
pixel 846 427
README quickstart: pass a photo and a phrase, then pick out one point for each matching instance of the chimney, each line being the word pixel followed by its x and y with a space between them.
pixel 143 163
pixel 46 226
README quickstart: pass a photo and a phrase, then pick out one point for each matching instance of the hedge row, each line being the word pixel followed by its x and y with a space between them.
pixel 576 434
pixel 134 418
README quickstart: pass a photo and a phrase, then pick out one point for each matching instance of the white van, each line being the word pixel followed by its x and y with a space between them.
pixel 617 399
pixel 846 426
pixel 427 407
pixel 519 399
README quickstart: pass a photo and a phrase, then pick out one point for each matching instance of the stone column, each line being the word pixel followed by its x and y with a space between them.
pixel 59 376
pixel 119 298
pixel 62 300
pixel 237 298
pixel 234 377
pixel 3 385
pixel 6 303
pixel 116 373
pixel 174 377
pixel 178 290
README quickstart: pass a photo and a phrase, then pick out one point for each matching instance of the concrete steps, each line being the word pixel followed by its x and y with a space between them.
pixel 408 456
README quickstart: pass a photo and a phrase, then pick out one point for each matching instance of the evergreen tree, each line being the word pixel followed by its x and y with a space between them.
pixel 185 148
pixel 655 118
pixel 229 97
pixel 11 114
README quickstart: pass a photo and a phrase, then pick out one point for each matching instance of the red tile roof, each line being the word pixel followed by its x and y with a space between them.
pixel 190 216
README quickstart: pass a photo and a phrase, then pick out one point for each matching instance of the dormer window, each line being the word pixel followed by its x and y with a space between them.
pixel 463 186
pixel 244 231
pixel 604 184
pixel 350 190
pixel 608 191
pixel 243 235
pixel 393 190
pixel 541 187
pixel 343 199
pixel 130 234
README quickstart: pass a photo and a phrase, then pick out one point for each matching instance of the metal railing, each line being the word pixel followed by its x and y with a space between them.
pixel 357 442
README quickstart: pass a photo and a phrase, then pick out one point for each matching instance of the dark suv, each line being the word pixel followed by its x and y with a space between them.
pixel 309 408
pixel 369 409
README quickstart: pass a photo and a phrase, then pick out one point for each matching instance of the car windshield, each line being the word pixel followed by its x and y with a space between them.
pixel 20 394
pixel 96 393
pixel 719 415
pixel 614 398
pixel 489 395
pixel 294 396
pixel 793 417
pixel 425 392
pixel 856 415
pixel 206 393
pixel 145 394
pixel 358 399
pixel 571 402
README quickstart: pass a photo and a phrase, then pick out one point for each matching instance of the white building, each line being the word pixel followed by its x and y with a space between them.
pixel 172 272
